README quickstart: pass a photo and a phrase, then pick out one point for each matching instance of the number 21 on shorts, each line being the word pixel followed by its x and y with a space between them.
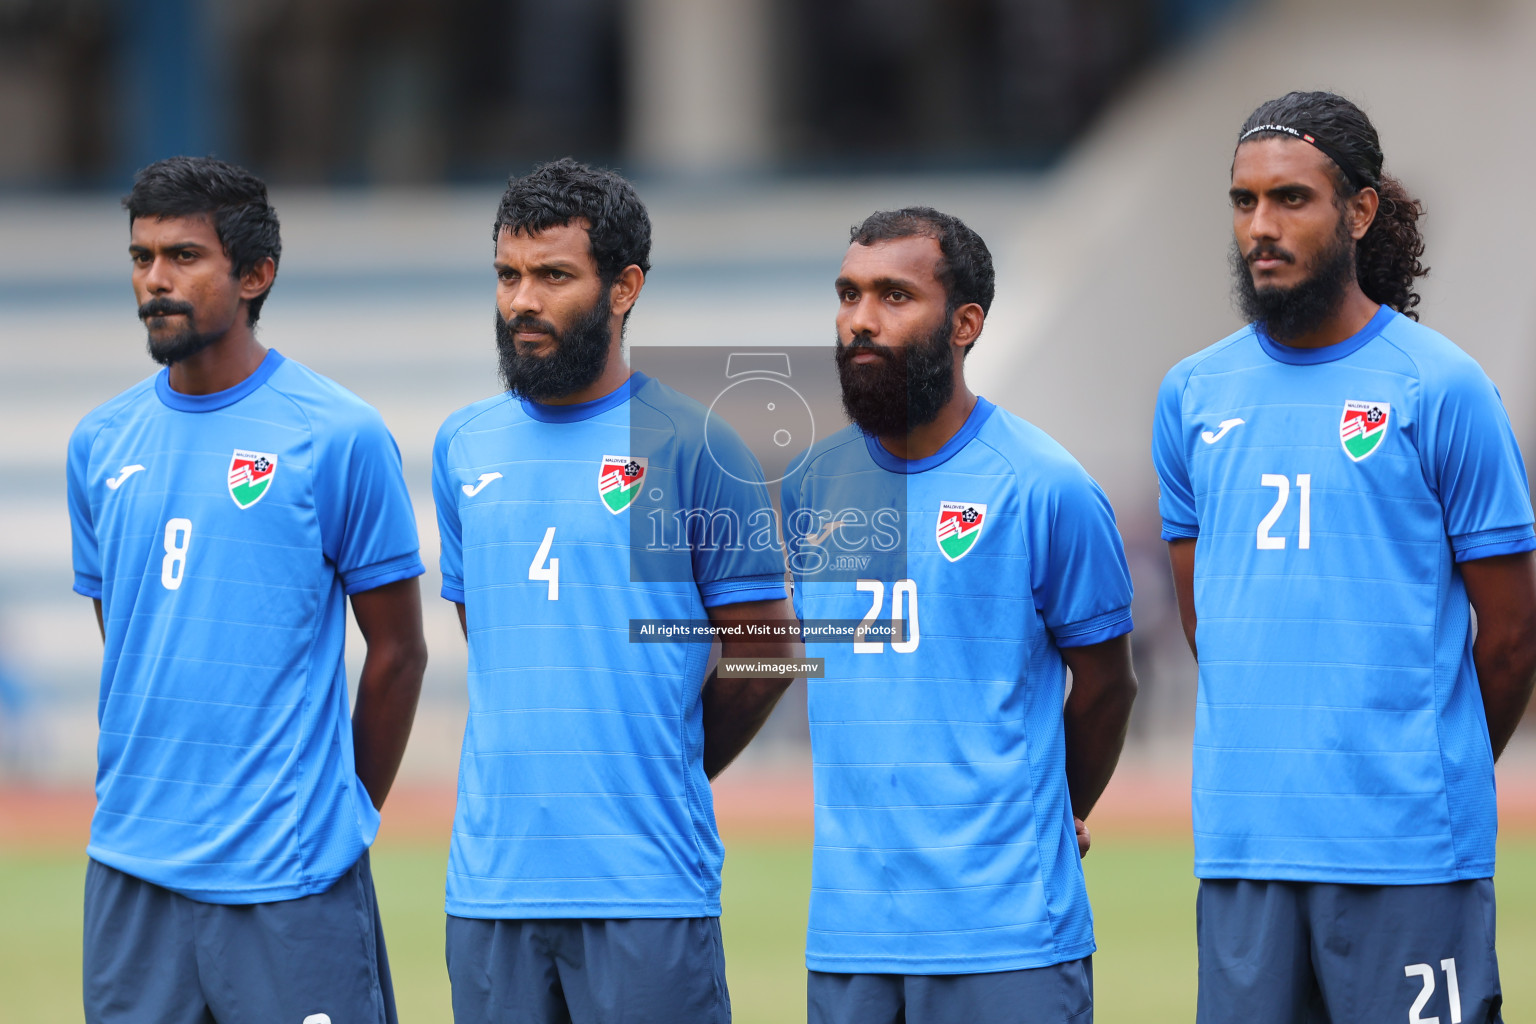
pixel 1452 991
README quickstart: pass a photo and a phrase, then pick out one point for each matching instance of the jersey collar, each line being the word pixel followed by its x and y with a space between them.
pixel 586 410
pixel 973 424
pixel 218 399
pixel 1328 353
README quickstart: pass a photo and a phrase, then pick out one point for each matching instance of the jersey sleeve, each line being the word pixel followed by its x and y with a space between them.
pixel 729 479
pixel 1474 464
pixel 85 549
pixel 1079 575
pixel 367 525
pixel 450 532
pixel 1176 496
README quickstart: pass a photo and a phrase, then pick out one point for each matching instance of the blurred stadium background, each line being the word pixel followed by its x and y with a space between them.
pixel 1087 140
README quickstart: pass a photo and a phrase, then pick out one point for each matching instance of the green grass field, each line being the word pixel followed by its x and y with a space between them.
pixel 1142 892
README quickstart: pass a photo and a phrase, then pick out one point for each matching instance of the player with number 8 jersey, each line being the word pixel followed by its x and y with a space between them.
pixel 223 512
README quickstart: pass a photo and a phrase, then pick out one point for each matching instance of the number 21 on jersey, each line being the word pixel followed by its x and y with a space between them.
pixel 1282 483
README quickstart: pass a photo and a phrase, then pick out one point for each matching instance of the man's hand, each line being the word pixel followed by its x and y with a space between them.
pixel 736 707
pixel 1502 590
pixel 390 620
pixel 1084 837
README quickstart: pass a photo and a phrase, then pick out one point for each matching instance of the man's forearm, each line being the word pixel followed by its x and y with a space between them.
pixel 735 710
pixel 1095 718
pixel 386 708
pixel 1502 590
pixel 1506 670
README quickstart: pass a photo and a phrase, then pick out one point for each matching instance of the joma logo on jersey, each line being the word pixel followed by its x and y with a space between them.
pixel 618 481
pixel 959 527
pixel 250 476
pixel 1363 427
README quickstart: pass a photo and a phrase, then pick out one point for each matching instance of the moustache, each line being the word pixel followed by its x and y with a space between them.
pixel 1268 252
pixel 164 307
pixel 529 324
pixel 865 341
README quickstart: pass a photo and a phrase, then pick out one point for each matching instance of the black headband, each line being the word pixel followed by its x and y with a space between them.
pixel 1355 177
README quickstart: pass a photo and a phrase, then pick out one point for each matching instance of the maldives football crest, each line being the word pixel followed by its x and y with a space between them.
pixel 250 476
pixel 1363 427
pixel 618 481
pixel 959 527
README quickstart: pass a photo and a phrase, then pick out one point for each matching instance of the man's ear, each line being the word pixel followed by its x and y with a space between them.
pixel 258 279
pixel 1360 209
pixel 967 325
pixel 626 289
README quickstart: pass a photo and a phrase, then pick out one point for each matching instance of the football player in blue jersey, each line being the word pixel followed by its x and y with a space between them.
pixel 223 511
pixel 1338 484
pixel 584 872
pixel 947 883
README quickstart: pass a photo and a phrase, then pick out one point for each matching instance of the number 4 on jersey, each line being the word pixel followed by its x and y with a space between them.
pixel 545 568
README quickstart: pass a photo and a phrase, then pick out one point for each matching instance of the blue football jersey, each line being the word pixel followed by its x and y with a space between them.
pixel 1340 734
pixel 582 791
pixel 944 834
pixel 221 533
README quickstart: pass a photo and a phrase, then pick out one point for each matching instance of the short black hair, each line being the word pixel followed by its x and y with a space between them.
pixel 185 186
pixel 561 191
pixel 965 269
pixel 1388 258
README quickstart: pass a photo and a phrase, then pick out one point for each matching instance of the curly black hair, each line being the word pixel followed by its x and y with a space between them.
pixel 965 270
pixel 1387 259
pixel 186 186
pixel 556 193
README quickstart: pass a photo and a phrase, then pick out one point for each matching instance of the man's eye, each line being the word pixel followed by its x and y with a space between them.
pixel 558 275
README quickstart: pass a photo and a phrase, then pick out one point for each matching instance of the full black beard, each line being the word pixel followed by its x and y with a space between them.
pixel 579 356
pixel 1287 313
pixel 183 344
pixel 902 390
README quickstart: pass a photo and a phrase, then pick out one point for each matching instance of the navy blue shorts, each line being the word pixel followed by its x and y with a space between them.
pixel 618 971
pixel 1319 953
pixel 1041 995
pixel 153 956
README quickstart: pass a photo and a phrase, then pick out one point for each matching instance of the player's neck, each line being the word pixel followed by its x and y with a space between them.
pixel 1354 312
pixel 221 365
pixel 927 439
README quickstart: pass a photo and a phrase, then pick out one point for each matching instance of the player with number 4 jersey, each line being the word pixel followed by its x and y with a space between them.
pixel 584 872
pixel 1340 488
pixel 978 560
pixel 224 511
